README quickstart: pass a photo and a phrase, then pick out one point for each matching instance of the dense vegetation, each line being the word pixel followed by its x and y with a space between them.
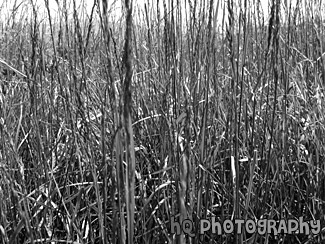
pixel 196 109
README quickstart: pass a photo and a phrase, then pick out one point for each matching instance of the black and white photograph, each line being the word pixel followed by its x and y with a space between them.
pixel 162 121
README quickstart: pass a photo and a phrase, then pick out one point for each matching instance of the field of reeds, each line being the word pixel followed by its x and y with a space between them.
pixel 112 126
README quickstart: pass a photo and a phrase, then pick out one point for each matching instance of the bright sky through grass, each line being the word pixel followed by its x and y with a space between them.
pixel 23 8
pixel 115 9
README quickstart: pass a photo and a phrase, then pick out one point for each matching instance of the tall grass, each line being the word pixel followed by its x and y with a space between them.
pixel 110 127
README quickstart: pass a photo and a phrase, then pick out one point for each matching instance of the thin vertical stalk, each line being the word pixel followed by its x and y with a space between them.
pixel 129 142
